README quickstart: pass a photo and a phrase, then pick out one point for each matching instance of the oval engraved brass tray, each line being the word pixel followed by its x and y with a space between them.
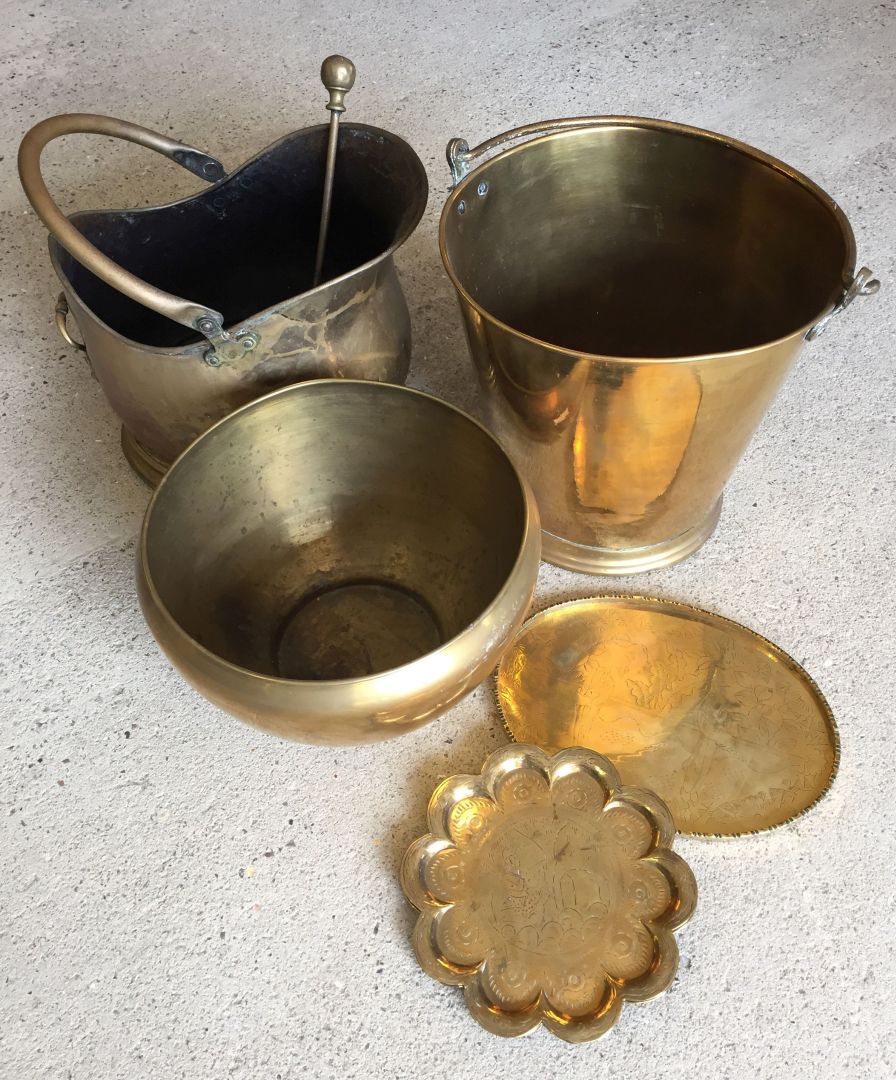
pixel 548 892
pixel 723 725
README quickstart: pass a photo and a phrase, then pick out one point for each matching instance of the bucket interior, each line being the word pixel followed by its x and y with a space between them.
pixel 636 241
pixel 249 241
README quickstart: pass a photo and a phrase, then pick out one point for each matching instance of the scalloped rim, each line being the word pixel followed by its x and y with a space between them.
pixel 540 1012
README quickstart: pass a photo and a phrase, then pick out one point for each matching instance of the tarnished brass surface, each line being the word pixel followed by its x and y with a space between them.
pixel 167 397
pixel 243 250
pixel 144 464
pixel 726 727
pixel 548 891
pixel 339 561
pixel 634 292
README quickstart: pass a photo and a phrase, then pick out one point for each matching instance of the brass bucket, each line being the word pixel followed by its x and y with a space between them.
pixel 244 248
pixel 634 292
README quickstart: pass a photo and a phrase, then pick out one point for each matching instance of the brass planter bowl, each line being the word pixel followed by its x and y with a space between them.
pixel 339 561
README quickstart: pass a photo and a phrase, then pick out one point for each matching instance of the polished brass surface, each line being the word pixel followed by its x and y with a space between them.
pixel 548 891
pixel 726 727
pixel 339 561
pixel 243 250
pixel 634 292
pixel 337 73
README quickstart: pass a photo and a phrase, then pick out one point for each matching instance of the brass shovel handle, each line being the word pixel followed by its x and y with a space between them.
pixel 206 321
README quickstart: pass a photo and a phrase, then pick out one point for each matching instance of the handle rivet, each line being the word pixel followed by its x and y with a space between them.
pixel 483 188
pixel 461 207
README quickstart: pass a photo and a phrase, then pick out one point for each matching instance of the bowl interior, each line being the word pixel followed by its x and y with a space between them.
pixel 640 241
pixel 334 530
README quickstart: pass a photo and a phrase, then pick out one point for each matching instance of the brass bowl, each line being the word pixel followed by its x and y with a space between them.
pixel 339 561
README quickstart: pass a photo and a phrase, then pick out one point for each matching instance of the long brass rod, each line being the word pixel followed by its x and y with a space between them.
pixel 337 73
pixel 326 205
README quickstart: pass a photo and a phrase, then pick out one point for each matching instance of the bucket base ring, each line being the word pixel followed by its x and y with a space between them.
pixel 614 561
pixel 146 465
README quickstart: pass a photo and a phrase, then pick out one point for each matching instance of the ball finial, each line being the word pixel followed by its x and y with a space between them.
pixel 337 73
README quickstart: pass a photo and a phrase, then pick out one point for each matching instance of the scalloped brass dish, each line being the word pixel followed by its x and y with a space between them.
pixel 726 727
pixel 548 891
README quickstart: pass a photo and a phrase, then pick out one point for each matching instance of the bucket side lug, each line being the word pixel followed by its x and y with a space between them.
pixel 863 284
pixel 459 159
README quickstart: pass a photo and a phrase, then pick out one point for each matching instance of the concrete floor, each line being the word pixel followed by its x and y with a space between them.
pixel 134 939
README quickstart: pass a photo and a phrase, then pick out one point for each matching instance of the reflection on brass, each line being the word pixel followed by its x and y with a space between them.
pixel 243 251
pixel 623 485
pixel 634 292
pixel 339 561
pixel 722 724
pixel 549 892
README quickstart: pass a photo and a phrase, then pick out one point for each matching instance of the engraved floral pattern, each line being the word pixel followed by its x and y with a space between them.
pixel 723 725
pixel 548 892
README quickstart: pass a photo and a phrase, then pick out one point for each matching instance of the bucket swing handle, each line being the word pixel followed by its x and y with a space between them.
pixel 462 160
pixel 204 320
pixel 863 284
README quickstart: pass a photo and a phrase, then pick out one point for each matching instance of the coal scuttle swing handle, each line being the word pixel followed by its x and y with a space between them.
pixel 204 320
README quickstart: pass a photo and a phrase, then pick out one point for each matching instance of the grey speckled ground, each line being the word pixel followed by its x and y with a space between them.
pixel 131 941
